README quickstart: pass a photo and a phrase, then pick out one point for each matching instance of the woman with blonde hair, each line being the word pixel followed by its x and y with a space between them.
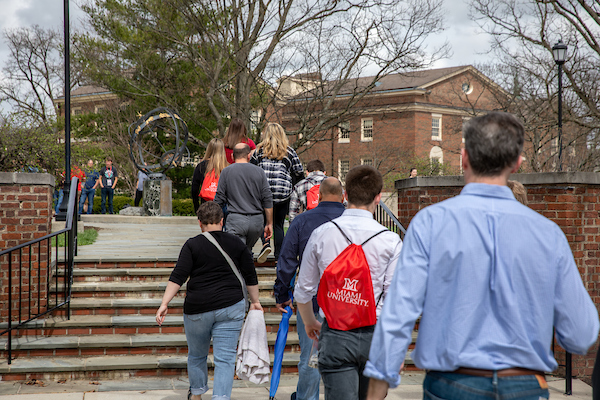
pixel 207 172
pixel 236 133
pixel 283 169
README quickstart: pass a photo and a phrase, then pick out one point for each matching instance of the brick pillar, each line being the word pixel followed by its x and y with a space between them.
pixel 25 215
pixel 570 199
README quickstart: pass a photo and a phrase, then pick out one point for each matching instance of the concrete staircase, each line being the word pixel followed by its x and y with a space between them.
pixel 112 332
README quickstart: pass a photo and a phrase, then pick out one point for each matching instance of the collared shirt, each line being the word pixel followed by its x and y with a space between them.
pixel 279 172
pixel 295 241
pixel 327 242
pixel 298 198
pixel 490 277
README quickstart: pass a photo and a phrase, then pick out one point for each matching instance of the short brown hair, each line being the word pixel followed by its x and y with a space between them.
pixel 210 213
pixel 363 184
pixel 519 191
pixel 315 165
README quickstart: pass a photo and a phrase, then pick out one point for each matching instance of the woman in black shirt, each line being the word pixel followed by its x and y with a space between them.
pixel 214 304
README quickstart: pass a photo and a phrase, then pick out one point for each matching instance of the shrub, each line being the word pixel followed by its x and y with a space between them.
pixel 183 207
pixel 118 203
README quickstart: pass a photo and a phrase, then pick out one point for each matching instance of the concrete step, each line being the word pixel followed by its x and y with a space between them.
pixel 101 345
pixel 119 303
pixel 116 366
pixel 91 219
pixel 120 324
pixel 120 288
pixel 117 341
pixel 263 273
pixel 138 306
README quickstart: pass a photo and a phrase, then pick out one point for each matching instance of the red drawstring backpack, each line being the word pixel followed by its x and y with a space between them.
pixel 209 186
pixel 312 197
pixel 346 290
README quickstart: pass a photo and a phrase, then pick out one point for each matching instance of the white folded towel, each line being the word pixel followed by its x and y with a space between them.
pixel 253 363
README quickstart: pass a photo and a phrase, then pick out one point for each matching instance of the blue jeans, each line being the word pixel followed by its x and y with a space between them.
pixel 224 326
pixel 342 359
pixel 308 378
pixel 87 194
pixel 450 386
pixel 107 192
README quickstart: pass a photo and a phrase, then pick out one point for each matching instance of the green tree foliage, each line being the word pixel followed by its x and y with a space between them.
pixel 29 149
pixel 128 52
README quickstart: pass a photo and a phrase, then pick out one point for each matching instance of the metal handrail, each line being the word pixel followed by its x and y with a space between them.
pixel 386 217
pixel 70 232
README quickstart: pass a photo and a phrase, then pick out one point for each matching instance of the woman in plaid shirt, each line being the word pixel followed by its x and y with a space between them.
pixel 283 169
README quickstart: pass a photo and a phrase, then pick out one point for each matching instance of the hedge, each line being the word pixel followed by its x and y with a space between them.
pixel 181 207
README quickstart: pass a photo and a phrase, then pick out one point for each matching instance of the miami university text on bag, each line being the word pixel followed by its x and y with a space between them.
pixel 209 186
pixel 312 197
pixel 346 291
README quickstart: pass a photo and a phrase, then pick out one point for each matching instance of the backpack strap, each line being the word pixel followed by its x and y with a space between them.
pixel 211 239
pixel 380 232
pixel 346 236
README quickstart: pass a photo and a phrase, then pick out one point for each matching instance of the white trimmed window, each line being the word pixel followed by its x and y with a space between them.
pixel 343 168
pixel 255 119
pixel 465 120
pixel 76 111
pixel 436 126
pixel 366 161
pixel 436 155
pixel 344 132
pixel 97 109
pixel 366 130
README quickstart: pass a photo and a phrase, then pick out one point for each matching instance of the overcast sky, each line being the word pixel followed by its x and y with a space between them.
pixel 464 36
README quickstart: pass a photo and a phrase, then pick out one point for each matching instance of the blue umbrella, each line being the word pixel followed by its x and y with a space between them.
pixel 282 334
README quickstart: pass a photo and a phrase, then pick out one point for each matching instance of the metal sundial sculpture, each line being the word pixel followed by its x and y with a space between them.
pixel 157 142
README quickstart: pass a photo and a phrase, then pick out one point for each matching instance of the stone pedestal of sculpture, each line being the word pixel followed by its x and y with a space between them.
pixel 157 199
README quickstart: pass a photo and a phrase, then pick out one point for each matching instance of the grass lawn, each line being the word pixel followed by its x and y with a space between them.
pixel 88 236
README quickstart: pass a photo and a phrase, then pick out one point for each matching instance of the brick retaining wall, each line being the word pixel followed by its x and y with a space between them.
pixel 25 215
pixel 571 199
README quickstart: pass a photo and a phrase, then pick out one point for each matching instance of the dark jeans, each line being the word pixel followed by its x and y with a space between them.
pixel 138 197
pixel 280 210
pixel 451 386
pixel 87 194
pixel 342 359
pixel 104 193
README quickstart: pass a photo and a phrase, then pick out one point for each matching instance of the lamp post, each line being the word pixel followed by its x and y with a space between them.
pixel 559 50
pixel 62 211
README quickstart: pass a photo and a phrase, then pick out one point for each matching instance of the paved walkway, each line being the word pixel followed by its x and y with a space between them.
pixel 123 237
pixel 176 389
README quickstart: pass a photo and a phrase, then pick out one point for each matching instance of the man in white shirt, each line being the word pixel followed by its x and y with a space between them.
pixel 343 354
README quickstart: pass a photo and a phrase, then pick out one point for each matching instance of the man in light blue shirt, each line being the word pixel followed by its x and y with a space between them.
pixel 490 278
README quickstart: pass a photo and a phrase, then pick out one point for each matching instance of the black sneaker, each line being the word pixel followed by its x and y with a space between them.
pixel 293 396
pixel 264 253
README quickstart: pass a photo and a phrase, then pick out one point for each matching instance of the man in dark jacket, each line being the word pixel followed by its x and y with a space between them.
pixel 330 207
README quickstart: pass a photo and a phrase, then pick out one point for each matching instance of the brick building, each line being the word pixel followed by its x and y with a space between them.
pixel 403 116
pixel 88 99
